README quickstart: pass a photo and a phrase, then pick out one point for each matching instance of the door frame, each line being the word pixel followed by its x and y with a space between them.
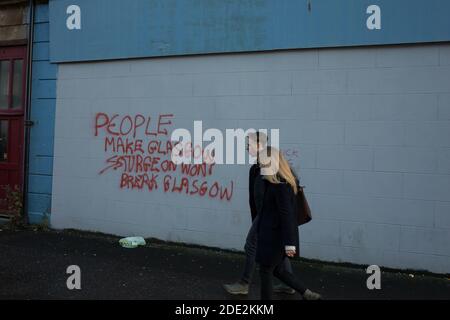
pixel 13 53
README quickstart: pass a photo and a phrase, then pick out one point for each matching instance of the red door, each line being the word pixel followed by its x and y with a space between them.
pixel 12 101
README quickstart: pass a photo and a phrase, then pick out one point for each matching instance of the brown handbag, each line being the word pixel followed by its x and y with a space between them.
pixel 303 209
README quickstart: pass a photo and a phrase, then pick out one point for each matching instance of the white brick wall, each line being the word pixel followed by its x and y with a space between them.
pixel 370 125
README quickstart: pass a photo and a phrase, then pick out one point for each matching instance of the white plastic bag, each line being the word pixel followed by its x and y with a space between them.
pixel 132 242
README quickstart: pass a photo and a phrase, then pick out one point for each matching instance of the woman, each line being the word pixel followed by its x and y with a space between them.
pixel 277 226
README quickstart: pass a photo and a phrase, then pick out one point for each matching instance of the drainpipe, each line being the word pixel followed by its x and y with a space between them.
pixel 28 123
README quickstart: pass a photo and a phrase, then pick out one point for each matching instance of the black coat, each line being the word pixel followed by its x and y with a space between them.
pixel 254 172
pixel 277 226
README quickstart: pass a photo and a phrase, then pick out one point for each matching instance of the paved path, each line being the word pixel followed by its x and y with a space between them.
pixel 33 266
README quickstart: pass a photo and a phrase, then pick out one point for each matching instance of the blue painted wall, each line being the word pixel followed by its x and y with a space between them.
pixel 43 114
pixel 114 29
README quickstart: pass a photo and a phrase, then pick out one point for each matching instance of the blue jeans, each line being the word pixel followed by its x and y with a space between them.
pixel 250 253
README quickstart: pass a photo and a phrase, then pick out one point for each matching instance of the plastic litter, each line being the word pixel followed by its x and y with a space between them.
pixel 132 242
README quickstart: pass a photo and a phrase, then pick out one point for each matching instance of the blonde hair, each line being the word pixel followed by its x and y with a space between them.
pixel 284 169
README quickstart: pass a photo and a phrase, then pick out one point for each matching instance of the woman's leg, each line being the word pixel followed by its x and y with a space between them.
pixel 266 273
pixel 242 285
pixel 287 265
pixel 250 251
pixel 280 286
pixel 288 278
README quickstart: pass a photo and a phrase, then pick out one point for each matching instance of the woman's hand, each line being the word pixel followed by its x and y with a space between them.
pixel 290 253
pixel 290 250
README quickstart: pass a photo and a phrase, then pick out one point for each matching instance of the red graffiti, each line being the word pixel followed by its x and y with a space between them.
pixel 197 169
pixel 141 160
pixel 160 147
pixel 186 150
pixel 195 187
pixel 168 165
pixel 138 182
pixel 132 163
pixel 123 126
pixel 117 144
